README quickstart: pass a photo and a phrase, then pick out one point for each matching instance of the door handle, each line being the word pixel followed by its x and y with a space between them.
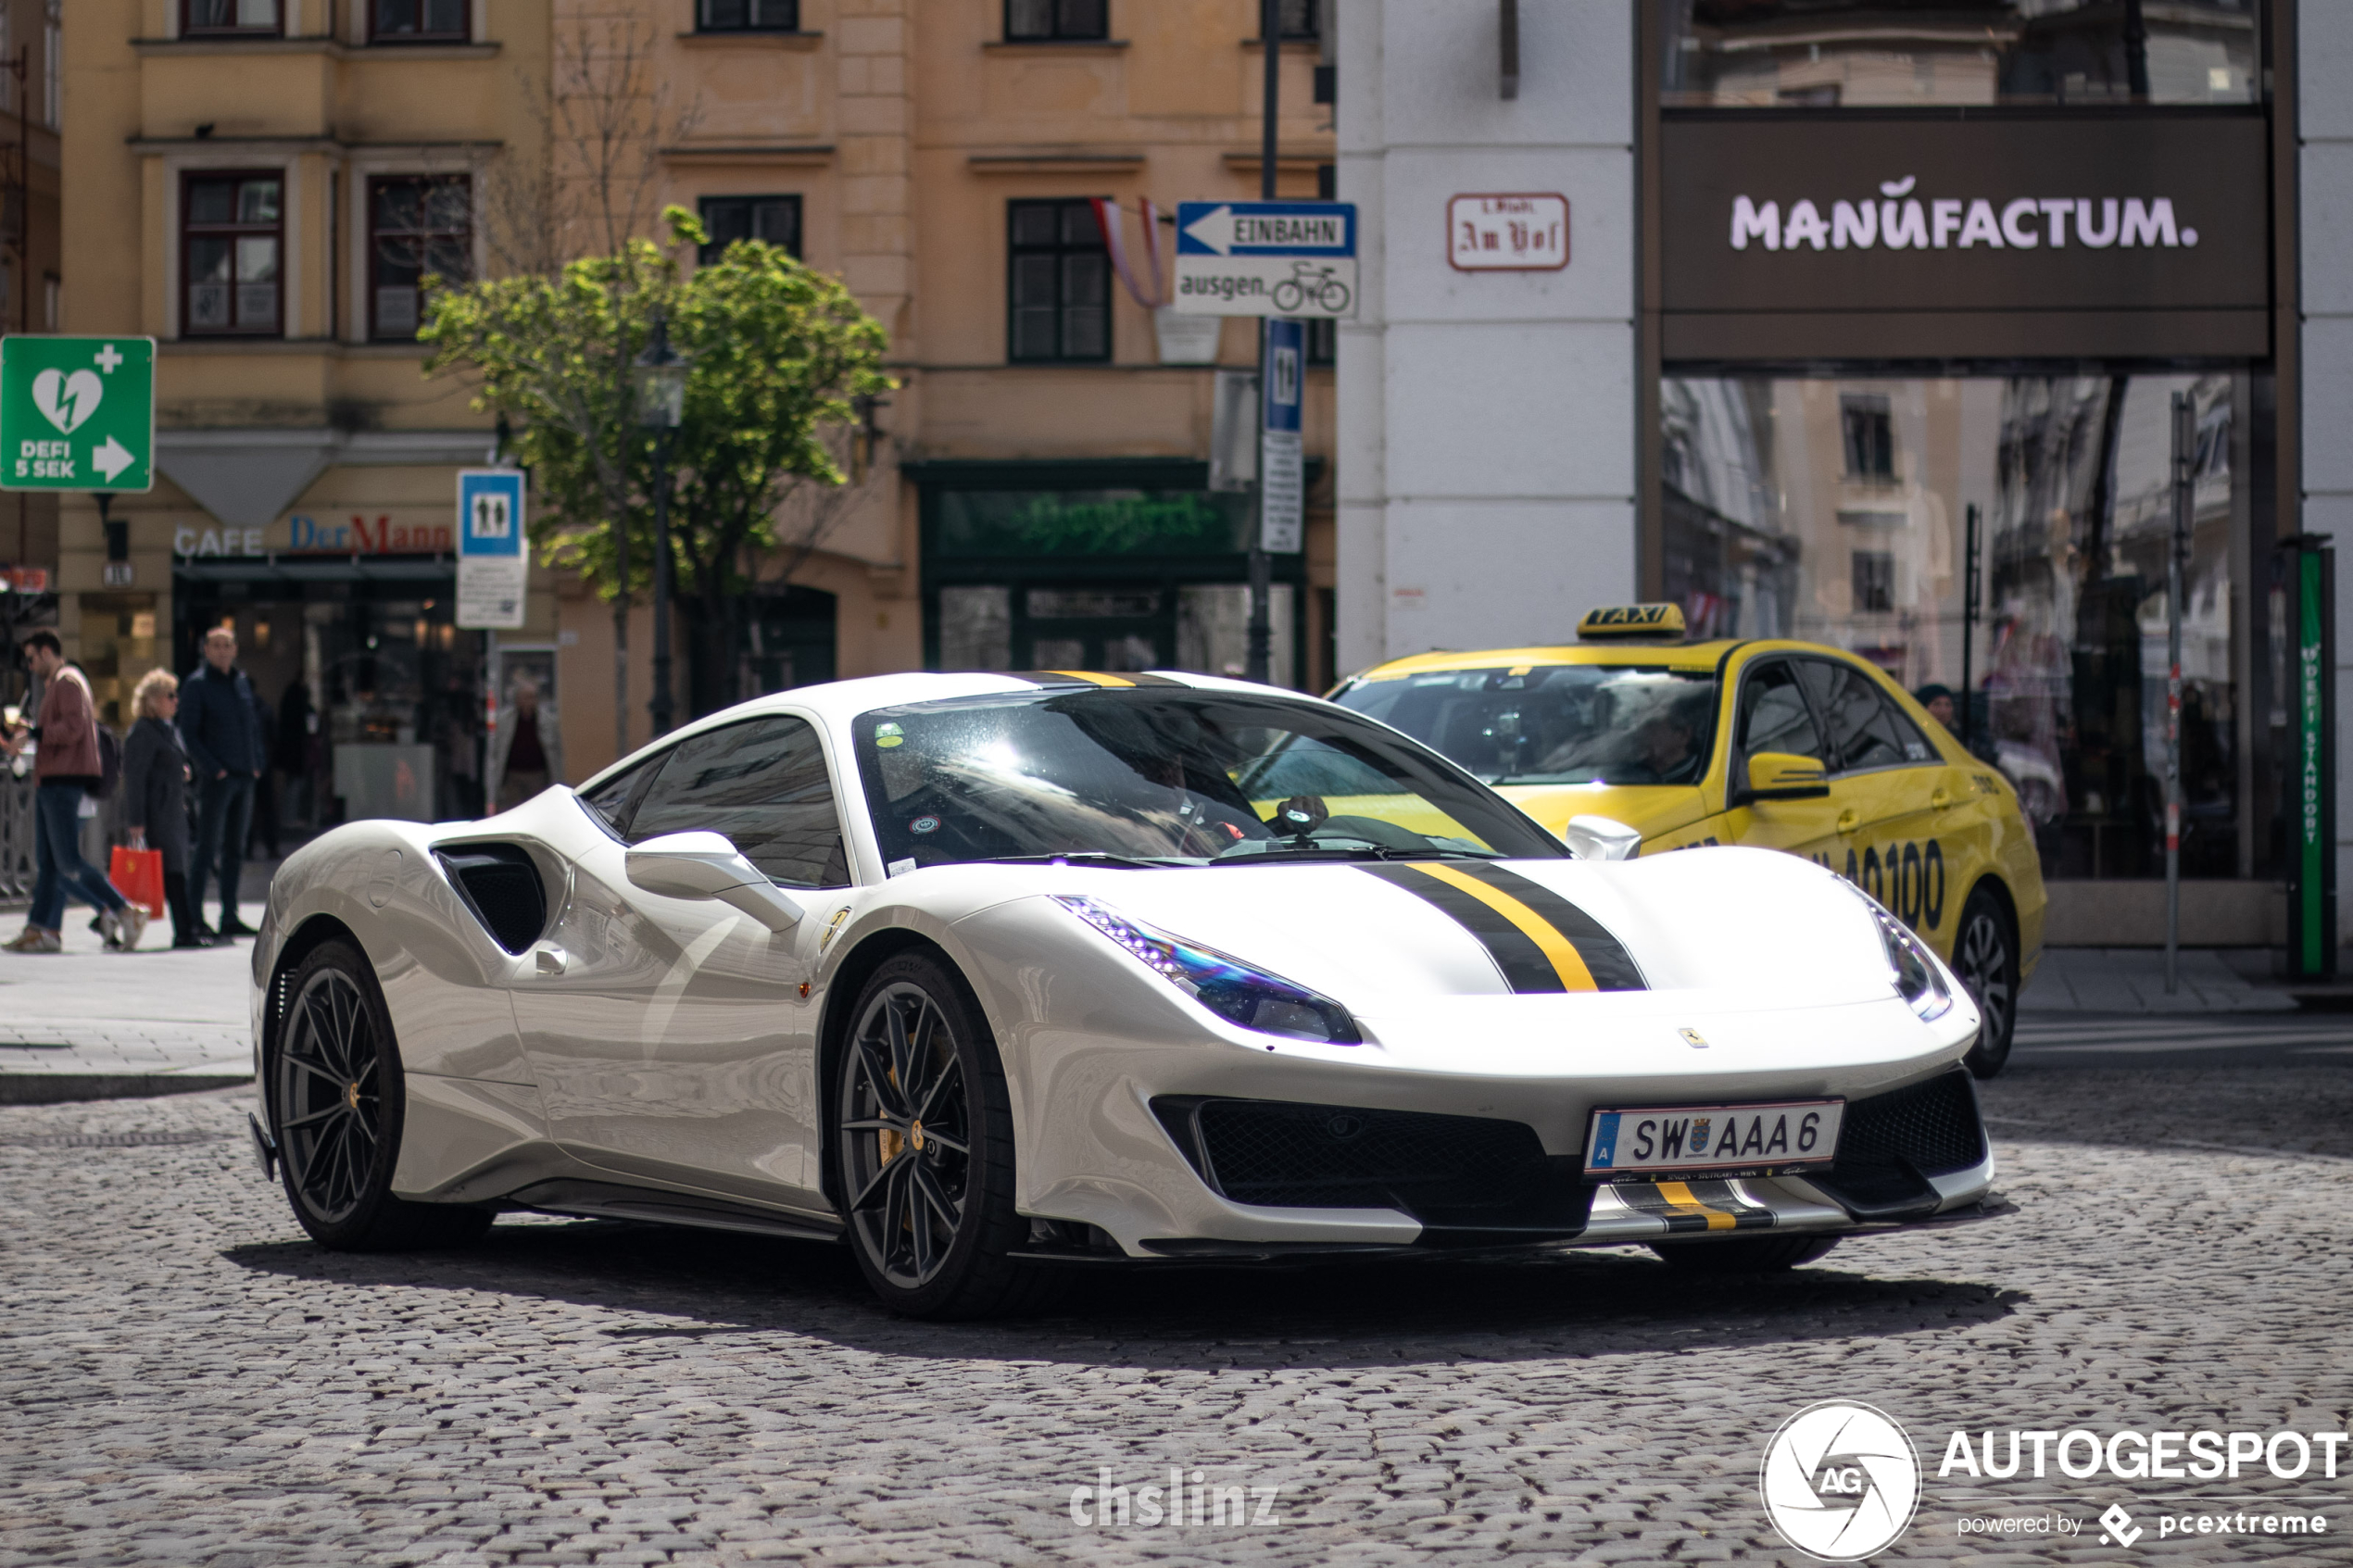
pixel 1938 800
pixel 1848 820
pixel 552 958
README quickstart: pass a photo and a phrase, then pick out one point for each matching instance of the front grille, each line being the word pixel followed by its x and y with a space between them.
pixel 1294 1156
pixel 1891 1144
pixel 1932 1127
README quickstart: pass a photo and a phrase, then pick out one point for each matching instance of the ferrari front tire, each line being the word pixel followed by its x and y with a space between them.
pixel 1745 1254
pixel 1985 960
pixel 337 1103
pixel 923 1149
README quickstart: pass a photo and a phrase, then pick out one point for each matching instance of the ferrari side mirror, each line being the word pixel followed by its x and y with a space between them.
pixel 1784 775
pixel 1601 838
pixel 705 865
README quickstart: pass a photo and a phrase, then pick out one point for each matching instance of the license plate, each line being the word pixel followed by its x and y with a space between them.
pixel 1646 1142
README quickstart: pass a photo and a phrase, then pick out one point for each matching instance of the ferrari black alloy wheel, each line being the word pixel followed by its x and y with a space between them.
pixel 336 1097
pixel 1985 957
pixel 923 1150
pixel 1745 1254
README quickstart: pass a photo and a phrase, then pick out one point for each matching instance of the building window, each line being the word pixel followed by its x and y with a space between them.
pixel 417 225
pixel 421 21
pixel 1298 18
pixel 1870 437
pixel 1874 580
pixel 748 15
pixel 52 303
pixel 231 241
pixel 1045 21
pixel 1059 297
pixel 230 16
pixel 775 220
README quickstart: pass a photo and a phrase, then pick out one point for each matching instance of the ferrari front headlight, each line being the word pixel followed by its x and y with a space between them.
pixel 1238 992
pixel 1920 979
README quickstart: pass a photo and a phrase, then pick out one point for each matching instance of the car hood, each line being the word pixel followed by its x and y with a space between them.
pixel 1650 809
pixel 1757 929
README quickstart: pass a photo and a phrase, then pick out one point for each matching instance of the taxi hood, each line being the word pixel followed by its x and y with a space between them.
pixel 1649 809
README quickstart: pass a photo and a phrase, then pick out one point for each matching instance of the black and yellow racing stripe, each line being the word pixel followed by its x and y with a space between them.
pixel 1540 940
pixel 1694 1206
pixel 1089 678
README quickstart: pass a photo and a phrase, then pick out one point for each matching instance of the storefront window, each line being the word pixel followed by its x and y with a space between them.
pixel 1842 511
pixel 1876 53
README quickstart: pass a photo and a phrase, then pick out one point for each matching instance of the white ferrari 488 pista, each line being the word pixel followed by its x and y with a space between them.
pixel 982 974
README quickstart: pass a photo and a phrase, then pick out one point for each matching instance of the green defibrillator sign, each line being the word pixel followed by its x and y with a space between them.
pixel 77 413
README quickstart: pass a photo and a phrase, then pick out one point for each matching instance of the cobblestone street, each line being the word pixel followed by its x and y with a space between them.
pixel 186 1379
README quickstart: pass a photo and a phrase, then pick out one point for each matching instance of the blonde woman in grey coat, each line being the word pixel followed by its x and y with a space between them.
pixel 155 796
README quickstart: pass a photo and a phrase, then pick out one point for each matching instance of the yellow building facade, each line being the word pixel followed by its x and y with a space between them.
pixel 256 183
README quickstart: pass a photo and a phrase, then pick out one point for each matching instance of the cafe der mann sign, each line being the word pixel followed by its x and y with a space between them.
pixel 1861 235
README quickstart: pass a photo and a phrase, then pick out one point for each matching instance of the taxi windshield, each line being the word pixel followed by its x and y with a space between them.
pixel 1555 724
pixel 1157 775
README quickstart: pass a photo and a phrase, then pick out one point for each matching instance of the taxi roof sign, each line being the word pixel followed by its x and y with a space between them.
pixel 1662 622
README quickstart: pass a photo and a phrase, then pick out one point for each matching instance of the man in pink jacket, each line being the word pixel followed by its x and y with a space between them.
pixel 67 770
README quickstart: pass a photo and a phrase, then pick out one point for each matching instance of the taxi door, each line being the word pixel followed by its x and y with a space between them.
pixel 1902 810
pixel 1770 713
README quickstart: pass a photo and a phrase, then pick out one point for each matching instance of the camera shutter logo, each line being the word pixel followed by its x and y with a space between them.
pixel 1840 1480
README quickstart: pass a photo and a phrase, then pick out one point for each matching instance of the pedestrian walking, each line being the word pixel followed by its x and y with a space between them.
pixel 155 796
pixel 526 748
pixel 221 724
pixel 67 769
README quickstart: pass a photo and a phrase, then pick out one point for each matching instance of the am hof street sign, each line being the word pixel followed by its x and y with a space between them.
pixel 1265 258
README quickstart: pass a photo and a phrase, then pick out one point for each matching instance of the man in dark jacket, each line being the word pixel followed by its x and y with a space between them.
pixel 221 724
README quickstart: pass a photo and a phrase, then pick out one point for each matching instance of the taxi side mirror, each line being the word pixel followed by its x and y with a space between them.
pixel 1784 775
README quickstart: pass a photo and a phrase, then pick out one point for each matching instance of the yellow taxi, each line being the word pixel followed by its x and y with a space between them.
pixel 1781 744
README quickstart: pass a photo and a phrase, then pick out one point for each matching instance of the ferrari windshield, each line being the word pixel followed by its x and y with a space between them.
pixel 1159 774
pixel 1558 723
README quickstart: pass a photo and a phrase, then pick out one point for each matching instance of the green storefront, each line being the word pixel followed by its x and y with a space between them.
pixel 1098 564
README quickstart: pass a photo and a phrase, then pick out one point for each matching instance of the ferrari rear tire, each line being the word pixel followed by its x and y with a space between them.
pixel 1745 1254
pixel 1985 959
pixel 337 1103
pixel 923 1149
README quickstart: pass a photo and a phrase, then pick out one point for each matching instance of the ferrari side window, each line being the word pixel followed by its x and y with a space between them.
pixel 1865 730
pixel 763 785
pixel 1773 713
pixel 613 801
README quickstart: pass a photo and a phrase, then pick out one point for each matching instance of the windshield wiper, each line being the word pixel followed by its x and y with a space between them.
pixel 1079 858
pixel 1369 852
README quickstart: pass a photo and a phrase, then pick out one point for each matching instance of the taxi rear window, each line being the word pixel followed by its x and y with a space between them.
pixel 1556 723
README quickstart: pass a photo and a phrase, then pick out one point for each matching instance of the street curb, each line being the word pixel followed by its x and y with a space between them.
pixel 56 1089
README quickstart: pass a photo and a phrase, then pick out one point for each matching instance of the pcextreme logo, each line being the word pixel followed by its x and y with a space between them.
pixel 1840 1480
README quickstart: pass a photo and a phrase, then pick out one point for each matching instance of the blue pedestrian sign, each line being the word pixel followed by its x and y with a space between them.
pixel 1282 470
pixel 1267 259
pixel 493 566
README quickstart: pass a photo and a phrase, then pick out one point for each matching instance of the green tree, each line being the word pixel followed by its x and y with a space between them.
pixel 778 354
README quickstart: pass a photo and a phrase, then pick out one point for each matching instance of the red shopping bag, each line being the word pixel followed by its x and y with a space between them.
pixel 137 874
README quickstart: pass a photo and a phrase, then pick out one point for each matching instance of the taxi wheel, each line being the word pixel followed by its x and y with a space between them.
pixel 1743 1255
pixel 1985 957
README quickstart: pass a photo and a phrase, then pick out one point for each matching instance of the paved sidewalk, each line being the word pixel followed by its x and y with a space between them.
pixel 90 1024
pixel 2123 980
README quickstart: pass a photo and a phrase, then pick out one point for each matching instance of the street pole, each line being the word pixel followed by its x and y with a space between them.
pixel 1261 588
pixel 2185 448
pixel 1968 618
pixel 661 583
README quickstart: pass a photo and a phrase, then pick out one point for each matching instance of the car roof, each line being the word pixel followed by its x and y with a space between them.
pixel 835 702
pixel 1675 656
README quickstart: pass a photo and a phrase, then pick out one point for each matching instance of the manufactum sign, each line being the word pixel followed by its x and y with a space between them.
pixel 1911 237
